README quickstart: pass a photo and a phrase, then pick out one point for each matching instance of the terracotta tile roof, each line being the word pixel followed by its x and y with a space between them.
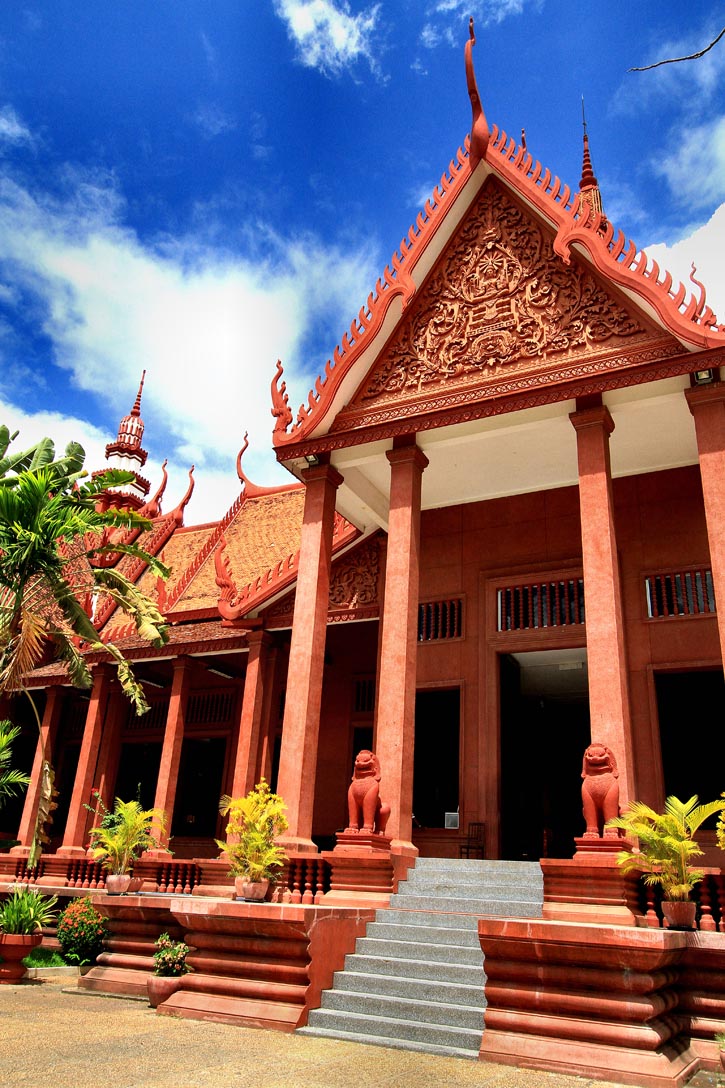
pixel 265 531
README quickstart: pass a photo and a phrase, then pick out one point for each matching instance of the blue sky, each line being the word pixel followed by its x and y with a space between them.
pixel 198 187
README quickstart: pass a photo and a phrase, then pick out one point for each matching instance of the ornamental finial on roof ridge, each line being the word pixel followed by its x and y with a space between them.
pixel 136 410
pixel 480 132
pixel 589 191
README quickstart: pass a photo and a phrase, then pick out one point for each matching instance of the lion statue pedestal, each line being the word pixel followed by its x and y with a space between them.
pixel 362 868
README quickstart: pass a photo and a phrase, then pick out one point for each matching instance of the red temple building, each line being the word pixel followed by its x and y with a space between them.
pixel 505 537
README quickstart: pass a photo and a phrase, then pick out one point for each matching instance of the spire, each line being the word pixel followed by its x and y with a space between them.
pixel 480 134
pixel 589 191
pixel 125 452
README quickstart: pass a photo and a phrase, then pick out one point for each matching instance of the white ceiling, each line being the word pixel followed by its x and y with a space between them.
pixel 521 452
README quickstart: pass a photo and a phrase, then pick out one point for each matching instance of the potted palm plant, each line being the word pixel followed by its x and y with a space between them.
pixel 169 968
pixel 255 821
pixel 667 847
pixel 22 917
pixel 121 836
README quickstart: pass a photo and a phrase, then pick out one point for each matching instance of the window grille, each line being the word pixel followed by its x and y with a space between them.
pixel 680 593
pixel 212 707
pixel 557 603
pixel 364 699
pixel 440 620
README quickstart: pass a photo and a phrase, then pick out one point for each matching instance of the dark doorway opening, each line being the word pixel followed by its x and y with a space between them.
pixel 196 807
pixel 436 759
pixel 544 733
pixel 681 697
pixel 138 773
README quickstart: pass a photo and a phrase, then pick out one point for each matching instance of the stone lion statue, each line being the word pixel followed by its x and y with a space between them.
pixel 600 791
pixel 367 813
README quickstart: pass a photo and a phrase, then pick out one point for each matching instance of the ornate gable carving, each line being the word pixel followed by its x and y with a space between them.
pixel 499 306
pixel 354 588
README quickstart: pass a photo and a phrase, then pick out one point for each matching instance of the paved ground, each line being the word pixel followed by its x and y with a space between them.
pixel 52 1037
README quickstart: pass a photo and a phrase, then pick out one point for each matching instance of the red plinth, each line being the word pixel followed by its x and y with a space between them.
pixel 361 869
pixel 591 887
pixel 597 1001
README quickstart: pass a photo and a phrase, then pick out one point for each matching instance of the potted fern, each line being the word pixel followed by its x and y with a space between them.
pixel 667 847
pixel 121 836
pixel 22 917
pixel 255 821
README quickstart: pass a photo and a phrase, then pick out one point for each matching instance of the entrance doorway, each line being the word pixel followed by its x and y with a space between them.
pixel 435 768
pixel 544 733
pixel 686 769
pixel 196 807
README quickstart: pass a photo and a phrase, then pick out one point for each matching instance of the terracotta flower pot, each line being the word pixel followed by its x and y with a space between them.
pixel 161 987
pixel 117 883
pixel 679 914
pixel 252 890
pixel 13 949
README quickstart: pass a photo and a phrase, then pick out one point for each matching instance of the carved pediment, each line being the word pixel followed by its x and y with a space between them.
pixel 500 310
pixel 354 588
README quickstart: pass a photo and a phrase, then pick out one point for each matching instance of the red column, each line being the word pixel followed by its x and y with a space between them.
pixel 43 753
pixel 171 750
pixel 74 839
pixel 395 718
pixel 707 404
pixel 607 663
pixel 301 725
pixel 110 752
pixel 250 724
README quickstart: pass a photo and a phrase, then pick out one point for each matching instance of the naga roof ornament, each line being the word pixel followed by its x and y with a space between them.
pixel 480 132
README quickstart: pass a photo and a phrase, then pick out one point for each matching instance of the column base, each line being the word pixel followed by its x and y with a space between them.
pixel 591 887
pixel 297 845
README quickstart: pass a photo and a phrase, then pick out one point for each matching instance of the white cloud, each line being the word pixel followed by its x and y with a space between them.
pixel 703 247
pixel 447 20
pixel 12 129
pixel 212 121
pixel 695 169
pixel 207 326
pixel 328 37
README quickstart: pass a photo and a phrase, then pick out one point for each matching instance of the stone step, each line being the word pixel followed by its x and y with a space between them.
pixel 466 974
pixel 420 990
pixel 405 1031
pixel 458 955
pixel 422 935
pixel 358 1035
pixel 505 908
pixel 405 1008
pixel 466 865
pixel 450 877
pixel 437 919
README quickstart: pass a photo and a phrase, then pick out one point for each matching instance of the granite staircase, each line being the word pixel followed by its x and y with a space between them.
pixel 416 979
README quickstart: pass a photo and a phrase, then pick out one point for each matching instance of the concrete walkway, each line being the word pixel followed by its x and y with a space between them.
pixel 54 1037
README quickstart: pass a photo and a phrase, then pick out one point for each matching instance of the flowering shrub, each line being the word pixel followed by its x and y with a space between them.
pixel 81 931
pixel 170 957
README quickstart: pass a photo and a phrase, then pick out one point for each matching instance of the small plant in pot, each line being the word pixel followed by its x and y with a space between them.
pixel 22 917
pixel 169 968
pixel 81 932
pixel 122 835
pixel 667 847
pixel 255 821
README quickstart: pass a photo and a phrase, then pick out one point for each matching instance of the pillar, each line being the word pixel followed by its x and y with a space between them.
pixel 707 404
pixel 301 724
pixel 607 663
pixel 171 749
pixel 253 705
pixel 43 753
pixel 74 838
pixel 395 717
pixel 110 753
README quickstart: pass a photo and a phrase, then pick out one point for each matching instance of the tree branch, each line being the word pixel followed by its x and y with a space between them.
pixel 676 60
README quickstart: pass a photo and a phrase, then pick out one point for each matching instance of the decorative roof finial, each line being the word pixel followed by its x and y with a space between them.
pixel 136 410
pixel 480 133
pixel 589 192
